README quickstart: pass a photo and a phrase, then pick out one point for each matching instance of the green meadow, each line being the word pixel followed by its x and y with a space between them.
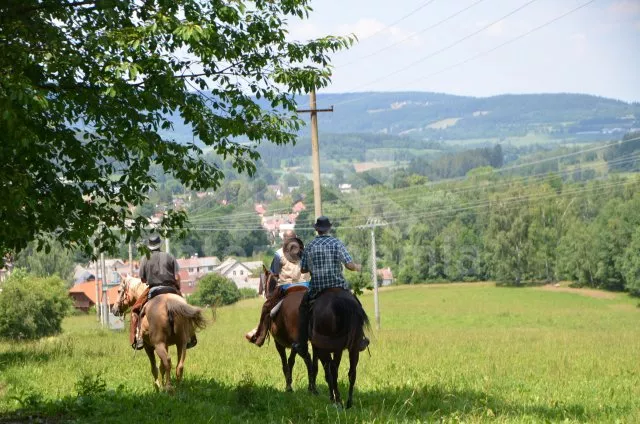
pixel 445 353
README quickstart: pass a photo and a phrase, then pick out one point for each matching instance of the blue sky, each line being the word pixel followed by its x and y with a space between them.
pixel 595 50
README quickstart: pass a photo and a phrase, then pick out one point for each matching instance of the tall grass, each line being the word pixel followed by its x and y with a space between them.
pixel 472 353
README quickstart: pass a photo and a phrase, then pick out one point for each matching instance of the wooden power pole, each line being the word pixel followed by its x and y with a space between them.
pixel 315 150
pixel 373 223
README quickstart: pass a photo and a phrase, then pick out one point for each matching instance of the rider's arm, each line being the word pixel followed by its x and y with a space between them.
pixel 276 266
pixel 346 259
pixel 304 263
pixel 353 266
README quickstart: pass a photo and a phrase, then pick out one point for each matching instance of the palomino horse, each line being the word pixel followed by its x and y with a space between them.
pixel 284 329
pixel 168 320
pixel 337 323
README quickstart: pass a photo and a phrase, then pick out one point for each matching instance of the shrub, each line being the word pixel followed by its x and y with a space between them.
pixel 248 293
pixel 214 290
pixel 32 307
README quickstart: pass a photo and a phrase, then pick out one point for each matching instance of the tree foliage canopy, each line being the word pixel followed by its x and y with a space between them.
pixel 89 90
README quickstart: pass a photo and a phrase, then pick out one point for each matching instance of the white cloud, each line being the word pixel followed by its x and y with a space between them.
pixel 366 28
pixel 625 7
pixel 305 30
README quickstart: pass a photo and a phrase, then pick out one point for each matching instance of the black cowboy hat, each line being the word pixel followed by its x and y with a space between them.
pixel 292 249
pixel 154 243
pixel 322 224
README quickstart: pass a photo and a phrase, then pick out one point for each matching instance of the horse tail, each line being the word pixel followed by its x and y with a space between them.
pixel 191 313
pixel 354 318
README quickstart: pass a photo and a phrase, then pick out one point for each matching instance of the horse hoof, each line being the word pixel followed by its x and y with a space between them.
pixel 349 404
pixel 288 389
pixel 313 391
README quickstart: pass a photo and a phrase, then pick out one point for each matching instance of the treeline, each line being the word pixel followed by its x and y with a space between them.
pixel 512 230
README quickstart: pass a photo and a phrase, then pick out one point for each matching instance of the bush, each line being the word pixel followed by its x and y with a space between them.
pixel 32 307
pixel 248 293
pixel 215 290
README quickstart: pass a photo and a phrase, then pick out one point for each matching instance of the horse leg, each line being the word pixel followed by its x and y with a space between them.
pixel 325 358
pixel 354 356
pixel 312 371
pixel 291 362
pixel 285 367
pixel 154 368
pixel 335 365
pixel 165 365
pixel 182 354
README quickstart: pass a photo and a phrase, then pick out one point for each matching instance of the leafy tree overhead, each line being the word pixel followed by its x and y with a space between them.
pixel 90 90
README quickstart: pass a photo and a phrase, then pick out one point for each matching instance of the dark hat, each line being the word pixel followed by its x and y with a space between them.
pixel 322 224
pixel 292 249
pixel 154 243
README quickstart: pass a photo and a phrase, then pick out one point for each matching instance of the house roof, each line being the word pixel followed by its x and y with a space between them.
pixel 259 208
pixel 89 290
pixel 299 206
pixel 385 273
pixel 209 261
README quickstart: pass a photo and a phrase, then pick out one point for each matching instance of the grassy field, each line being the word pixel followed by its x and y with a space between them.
pixel 456 353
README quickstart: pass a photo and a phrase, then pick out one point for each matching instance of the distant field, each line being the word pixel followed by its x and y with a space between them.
pixel 367 166
pixel 445 353
pixel 444 123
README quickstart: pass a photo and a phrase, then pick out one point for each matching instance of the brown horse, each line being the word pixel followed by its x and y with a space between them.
pixel 337 323
pixel 167 320
pixel 283 327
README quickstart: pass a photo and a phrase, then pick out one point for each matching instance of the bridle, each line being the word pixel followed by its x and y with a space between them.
pixel 123 293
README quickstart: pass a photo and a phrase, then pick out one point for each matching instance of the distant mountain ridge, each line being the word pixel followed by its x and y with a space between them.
pixel 438 116
pixel 449 116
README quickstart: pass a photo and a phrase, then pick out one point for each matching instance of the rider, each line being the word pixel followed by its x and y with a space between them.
pixel 323 257
pixel 285 266
pixel 160 273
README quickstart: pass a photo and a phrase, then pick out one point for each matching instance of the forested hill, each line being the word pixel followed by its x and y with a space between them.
pixel 457 117
pixel 437 116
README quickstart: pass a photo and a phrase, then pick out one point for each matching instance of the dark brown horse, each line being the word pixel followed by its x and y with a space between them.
pixel 337 323
pixel 283 327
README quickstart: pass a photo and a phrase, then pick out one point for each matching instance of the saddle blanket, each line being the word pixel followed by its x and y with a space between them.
pixel 288 288
pixel 158 290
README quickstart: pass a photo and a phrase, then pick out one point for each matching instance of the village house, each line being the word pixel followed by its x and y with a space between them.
pixel 84 295
pixel 385 277
pixel 240 272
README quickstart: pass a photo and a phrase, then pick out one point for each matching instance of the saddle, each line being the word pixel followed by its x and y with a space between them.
pixel 158 290
pixel 285 289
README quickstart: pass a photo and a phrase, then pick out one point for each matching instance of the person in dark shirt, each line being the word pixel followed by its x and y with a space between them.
pixel 160 273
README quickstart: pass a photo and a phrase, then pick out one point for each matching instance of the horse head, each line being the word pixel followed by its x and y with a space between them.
pixel 268 282
pixel 127 295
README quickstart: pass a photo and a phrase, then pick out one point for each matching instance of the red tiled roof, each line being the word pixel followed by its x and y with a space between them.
pixel 298 207
pixel 89 290
pixel 385 273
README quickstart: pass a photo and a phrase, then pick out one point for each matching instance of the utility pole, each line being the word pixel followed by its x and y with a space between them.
pixel 372 224
pixel 131 258
pixel 315 150
pixel 104 284
pixel 97 288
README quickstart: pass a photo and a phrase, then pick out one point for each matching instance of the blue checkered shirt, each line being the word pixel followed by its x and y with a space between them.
pixel 324 258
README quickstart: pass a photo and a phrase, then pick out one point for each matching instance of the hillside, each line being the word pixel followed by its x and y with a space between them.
pixel 435 116
pixel 444 116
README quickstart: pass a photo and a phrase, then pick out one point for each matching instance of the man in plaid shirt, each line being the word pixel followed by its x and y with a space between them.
pixel 323 258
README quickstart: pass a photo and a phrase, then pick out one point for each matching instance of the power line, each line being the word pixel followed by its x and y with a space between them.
pixel 486 52
pixel 422 31
pixel 448 47
pixel 478 55
pixel 422 6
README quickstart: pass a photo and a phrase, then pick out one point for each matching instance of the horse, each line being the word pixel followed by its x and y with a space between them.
pixel 337 323
pixel 168 320
pixel 283 327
